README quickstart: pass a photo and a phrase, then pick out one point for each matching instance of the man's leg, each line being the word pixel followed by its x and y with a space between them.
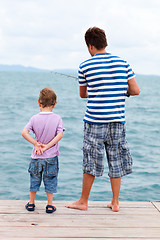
pixel 115 185
pixel 82 203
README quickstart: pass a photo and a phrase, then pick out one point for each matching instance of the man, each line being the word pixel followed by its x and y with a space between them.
pixel 105 80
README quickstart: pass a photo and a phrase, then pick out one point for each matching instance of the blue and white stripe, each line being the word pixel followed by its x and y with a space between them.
pixel 106 77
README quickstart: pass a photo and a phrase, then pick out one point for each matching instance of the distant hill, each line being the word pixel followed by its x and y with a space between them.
pixel 20 68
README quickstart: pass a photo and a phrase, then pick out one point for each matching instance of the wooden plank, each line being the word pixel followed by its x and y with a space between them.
pixel 130 238
pixel 94 204
pixel 100 211
pixel 157 205
pixel 45 232
pixel 80 221
pixel 92 210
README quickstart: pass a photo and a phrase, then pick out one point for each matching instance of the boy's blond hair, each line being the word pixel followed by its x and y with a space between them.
pixel 47 97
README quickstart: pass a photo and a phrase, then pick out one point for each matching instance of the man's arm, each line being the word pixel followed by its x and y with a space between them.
pixel 133 88
pixel 83 91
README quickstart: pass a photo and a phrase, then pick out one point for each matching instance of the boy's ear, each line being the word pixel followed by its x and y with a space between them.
pixel 54 105
pixel 39 104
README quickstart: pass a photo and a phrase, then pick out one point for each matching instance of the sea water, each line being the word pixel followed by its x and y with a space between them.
pixel 18 102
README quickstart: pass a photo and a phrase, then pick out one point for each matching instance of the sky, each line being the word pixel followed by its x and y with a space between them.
pixel 50 34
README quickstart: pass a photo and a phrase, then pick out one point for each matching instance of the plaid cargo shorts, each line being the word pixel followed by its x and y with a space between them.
pixel 111 137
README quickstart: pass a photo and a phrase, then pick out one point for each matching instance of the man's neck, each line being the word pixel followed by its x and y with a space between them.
pixel 99 51
pixel 93 50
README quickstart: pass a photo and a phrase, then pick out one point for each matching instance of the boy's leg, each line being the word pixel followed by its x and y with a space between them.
pixel 32 197
pixel 50 199
pixel 115 185
pixel 35 179
pixel 50 175
pixel 31 204
pixel 82 203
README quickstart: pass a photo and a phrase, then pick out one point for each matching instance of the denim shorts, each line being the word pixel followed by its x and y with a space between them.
pixel 111 137
pixel 48 169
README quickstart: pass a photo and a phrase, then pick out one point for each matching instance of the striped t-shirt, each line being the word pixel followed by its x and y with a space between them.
pixel 106 77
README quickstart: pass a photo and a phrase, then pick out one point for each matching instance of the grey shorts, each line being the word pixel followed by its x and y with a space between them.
pixel 111 137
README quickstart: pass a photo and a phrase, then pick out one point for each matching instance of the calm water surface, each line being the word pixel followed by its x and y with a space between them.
pixel 18 102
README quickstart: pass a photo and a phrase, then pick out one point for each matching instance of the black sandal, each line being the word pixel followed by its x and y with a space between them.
pixel 50 210
pixel 30 207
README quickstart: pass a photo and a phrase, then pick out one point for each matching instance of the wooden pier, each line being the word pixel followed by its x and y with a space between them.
pixel 136 220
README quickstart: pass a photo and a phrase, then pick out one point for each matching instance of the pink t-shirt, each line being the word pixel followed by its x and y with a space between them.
pixel 45 126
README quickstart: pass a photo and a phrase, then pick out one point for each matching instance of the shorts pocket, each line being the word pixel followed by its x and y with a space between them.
pixel 93 159
pixel 95 151
pixel 126 156
pixel 33 167
pixel 52 167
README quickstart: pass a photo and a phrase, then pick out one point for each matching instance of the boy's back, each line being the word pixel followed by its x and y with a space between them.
pixel 45 126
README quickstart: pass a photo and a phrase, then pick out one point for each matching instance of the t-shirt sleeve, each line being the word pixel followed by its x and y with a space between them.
pixel 81 78
pixel 60 127
pixel 131 74
pixel 29 125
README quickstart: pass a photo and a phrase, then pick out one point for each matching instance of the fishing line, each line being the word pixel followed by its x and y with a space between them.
pixel 66 75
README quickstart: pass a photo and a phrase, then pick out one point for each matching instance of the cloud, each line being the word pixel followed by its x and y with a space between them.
pixel 50 34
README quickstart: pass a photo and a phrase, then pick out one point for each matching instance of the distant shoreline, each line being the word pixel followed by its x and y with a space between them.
pixel 21 68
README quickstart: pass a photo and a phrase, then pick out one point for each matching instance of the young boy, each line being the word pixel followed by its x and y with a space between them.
pixel 48 129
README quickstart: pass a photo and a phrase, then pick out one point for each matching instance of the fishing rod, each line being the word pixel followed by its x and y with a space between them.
pixel 66 75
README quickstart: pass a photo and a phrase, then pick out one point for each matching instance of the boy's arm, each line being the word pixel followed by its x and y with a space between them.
pixel 55 140
pixel 29 138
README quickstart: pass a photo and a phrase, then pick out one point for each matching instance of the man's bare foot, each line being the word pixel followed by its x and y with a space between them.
pixel 78 205
pixel 114 207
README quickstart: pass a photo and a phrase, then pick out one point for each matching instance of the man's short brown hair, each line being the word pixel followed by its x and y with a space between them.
pixel 47 97
pixel 96 37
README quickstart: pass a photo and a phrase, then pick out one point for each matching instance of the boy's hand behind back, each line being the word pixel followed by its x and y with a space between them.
pixel 38 148
pixel 44 147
